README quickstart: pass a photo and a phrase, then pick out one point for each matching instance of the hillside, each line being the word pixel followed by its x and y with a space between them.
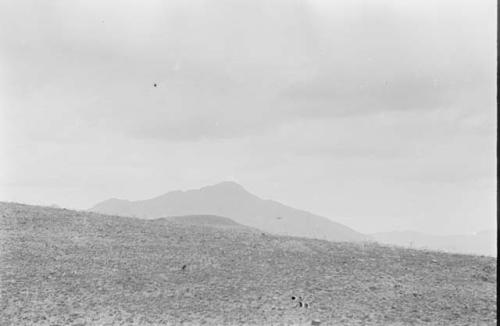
pixel 481 243
pixel 204 220
pixel 232 200
pixel 63 267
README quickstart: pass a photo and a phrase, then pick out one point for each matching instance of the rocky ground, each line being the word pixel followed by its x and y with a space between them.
pixel 63 267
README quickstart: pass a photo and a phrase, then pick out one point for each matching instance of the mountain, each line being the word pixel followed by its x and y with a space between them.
pixel 231 200
pixel 482 243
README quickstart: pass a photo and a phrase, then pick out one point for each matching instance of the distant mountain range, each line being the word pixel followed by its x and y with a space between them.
pixel 482 243
pixel 231 200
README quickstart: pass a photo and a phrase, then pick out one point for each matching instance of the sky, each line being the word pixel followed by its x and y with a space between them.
pixel 380 115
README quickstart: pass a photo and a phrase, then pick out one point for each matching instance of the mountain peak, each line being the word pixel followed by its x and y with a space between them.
pixel 225 186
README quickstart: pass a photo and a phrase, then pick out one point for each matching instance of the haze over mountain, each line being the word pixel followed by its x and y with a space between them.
pixel 231 200
pixel 483 243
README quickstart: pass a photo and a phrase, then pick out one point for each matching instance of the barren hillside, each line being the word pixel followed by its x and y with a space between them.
pixel 63 267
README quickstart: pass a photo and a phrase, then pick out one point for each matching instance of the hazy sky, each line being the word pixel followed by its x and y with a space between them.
pixel 378 114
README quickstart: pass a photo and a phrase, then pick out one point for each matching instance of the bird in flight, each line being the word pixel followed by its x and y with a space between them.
pixel 155 85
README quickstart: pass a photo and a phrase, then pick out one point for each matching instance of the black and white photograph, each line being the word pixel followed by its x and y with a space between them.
pixel 248 162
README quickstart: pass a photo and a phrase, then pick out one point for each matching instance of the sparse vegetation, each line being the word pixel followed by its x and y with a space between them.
pixel 62 267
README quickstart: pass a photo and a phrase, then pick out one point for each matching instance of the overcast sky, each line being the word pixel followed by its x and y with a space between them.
pixel 378 114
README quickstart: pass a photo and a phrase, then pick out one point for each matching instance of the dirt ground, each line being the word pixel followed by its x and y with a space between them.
pixel 63 267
